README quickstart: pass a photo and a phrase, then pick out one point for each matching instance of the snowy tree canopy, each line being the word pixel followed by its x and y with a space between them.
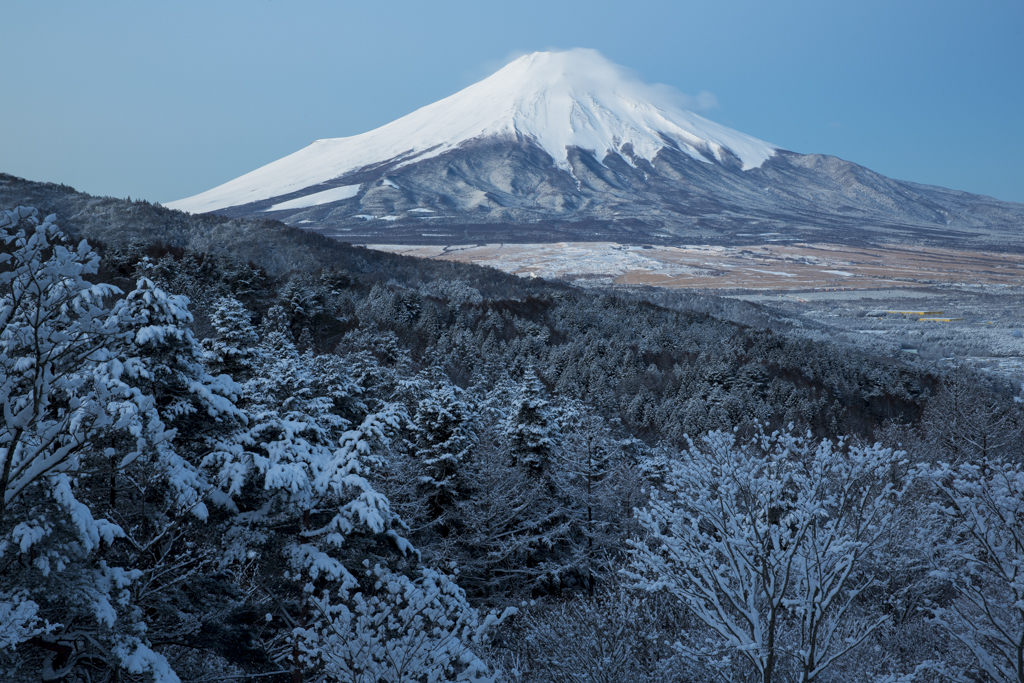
pixel 977 546
pixel 768 544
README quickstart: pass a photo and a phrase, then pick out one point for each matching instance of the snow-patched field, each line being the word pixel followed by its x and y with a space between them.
pixel 767 266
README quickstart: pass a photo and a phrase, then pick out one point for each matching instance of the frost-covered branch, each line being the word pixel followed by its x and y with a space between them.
pixel 765 542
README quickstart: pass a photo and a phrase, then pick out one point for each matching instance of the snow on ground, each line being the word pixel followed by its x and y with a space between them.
pixel 551 260
pixel 831 269
pixel 326 197
pixel 772 272
pixel 557 99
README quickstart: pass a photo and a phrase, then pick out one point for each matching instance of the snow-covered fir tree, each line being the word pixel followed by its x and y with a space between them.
pixel 445 435
pixel 529 425
pixel 232 349
pixel 64 605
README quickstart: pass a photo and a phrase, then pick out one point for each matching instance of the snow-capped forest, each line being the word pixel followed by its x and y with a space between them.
pixel 220 461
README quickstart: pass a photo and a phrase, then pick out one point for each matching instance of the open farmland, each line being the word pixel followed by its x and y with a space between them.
pixel 769 266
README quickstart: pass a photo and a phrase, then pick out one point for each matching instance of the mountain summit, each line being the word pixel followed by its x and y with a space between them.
pixel 568 145
pixel 556 100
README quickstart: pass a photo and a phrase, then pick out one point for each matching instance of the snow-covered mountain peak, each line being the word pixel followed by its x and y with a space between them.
pixel 577 98
pixel 557 100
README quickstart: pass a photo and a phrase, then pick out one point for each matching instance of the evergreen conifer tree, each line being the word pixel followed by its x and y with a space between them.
pixel 232 349
pixel 65 601
pixel 529 426
pixel 445 424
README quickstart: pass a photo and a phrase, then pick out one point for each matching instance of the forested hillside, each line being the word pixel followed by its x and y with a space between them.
pixel 236 451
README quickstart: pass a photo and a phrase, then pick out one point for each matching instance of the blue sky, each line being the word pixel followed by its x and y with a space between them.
pixel 165 100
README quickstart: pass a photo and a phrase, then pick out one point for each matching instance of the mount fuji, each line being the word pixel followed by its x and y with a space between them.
pixel 567 146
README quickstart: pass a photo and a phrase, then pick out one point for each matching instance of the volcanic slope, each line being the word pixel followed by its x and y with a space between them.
pixel 561 146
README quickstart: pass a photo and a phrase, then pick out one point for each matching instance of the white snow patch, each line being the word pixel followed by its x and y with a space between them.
pixel 556 99
pixel 335 194
pixel 421 211
pixel 772 272
pixel 838 272
pixel 389 183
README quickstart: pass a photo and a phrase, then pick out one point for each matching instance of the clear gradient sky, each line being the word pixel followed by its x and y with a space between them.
pixel 164 100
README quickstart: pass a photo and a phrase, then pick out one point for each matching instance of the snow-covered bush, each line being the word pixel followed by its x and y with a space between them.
pixel 977 547
pixel 769 545
pixel 399 630
pixel 616 636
